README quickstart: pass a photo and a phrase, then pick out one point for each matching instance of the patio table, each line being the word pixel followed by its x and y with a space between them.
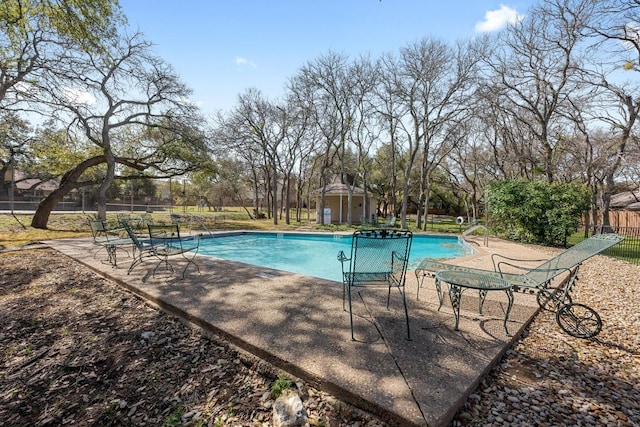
pixel 460 280
pixel 112 246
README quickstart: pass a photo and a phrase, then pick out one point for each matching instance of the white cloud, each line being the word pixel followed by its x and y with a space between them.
pixel 240 61
pixel 78 96
pixel 495 20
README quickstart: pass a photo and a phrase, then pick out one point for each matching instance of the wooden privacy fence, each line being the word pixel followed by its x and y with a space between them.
pixel 622 218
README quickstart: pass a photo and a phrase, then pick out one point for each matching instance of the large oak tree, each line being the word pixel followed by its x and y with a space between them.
pixel 132 108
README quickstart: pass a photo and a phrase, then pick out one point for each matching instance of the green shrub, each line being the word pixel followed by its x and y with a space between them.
pixel 536 211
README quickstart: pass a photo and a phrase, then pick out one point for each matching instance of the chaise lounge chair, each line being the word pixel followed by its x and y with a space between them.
pixel 390 222
pixel 576 319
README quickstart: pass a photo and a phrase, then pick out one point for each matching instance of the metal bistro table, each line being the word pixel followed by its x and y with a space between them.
pixel 460 280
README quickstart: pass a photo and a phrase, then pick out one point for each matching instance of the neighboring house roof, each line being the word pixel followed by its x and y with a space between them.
pixel 25 184
pixel 628 200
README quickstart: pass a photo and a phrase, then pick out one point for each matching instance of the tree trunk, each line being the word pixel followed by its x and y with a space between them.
pixel 366 207
pixel 274 190
pixel 287 200
pixel 41 216
pixel 419 205
pixel 606 202
pixel 69 182
pixel 256 195
pixel 323 189
pixel 299 199
pixel 104 186
pixel 426 206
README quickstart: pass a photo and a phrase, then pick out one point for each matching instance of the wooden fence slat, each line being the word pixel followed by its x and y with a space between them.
pixel 622 218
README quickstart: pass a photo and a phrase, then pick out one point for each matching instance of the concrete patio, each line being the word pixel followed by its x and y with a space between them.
pixel 297 323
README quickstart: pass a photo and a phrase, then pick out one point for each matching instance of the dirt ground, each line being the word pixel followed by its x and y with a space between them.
pixel 76 349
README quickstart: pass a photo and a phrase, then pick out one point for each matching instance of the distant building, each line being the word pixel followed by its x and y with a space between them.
pixel 26 188
pixel 627 200
pixel 336 203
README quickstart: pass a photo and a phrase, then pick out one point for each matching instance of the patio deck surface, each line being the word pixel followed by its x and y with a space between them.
pixel 297 323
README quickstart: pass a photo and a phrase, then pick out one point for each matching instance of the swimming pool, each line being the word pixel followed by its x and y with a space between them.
pixel 314 254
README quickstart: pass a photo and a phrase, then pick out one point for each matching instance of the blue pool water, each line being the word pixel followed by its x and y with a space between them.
pixel 314 254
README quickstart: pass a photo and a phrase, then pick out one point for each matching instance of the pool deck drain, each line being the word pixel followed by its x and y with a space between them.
pixel 298 324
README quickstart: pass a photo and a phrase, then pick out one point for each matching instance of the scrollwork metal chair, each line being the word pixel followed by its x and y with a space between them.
pixel 378 257
pixel 109 238
pixel 166 242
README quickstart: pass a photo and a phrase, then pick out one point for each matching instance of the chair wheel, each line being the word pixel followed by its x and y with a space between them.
pixel 544 296
pixel 579 320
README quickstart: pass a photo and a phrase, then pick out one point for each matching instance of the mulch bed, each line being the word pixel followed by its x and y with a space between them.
pixel 77 349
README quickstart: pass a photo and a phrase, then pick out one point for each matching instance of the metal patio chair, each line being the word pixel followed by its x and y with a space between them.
pixel 378 257
pixel 166 242
pixel 576 319
pixel 141 248
pixel 109 238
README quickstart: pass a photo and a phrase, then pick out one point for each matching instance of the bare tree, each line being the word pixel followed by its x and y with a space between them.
pixel 364 132
pixel 257 126
pixel 431 83
pixel 616 32
pixel 132 107
pixel 296 149
pixel 389 110
pixel 323 86
pixel 469 160
pixel 450 108
pixel 513 152
pixel 537 66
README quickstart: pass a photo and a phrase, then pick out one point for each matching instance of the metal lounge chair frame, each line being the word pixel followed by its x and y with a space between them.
pixel 576 319
pixel 110 239
pixel 164 241
pixel 378 257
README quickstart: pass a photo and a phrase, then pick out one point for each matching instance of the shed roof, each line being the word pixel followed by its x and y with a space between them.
pixel 336 188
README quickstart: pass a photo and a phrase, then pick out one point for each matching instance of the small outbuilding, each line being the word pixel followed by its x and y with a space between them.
pixel 336 203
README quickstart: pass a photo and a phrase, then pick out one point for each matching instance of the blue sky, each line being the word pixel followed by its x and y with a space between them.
pixel 222 47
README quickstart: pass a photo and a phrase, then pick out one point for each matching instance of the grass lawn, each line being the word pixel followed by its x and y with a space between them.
pixel 15 230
